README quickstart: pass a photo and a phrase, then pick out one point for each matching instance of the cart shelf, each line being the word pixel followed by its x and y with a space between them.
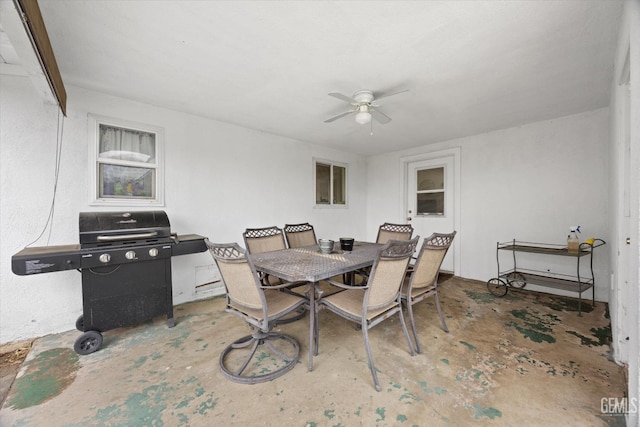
pixel 546 249
pixel 516 277
pixel 565 284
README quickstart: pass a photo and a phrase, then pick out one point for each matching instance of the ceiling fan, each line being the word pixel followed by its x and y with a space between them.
pixel 365 105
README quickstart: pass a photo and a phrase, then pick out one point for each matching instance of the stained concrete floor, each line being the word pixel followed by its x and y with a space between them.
pixel 524 359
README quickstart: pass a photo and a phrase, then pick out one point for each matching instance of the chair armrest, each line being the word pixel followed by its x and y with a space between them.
pixel 343 286
pixel 283 285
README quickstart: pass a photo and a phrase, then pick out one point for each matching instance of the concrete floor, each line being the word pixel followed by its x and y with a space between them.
pixel 524 359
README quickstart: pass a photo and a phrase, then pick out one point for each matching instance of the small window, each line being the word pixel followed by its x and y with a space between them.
pixel 331 183
pixel 430 191
pixel 127 167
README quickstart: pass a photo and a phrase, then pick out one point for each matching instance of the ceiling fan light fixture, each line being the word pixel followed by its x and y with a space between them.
pixel 363 117
pixel 363 104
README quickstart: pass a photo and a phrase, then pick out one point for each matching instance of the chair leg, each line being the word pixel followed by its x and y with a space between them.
pixel 315 330
pixel 372 367
pixel 409 304
pixel 316 309
pixel 404 329
pixel 444 325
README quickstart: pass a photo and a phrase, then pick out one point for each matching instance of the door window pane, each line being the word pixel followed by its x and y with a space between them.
pixel 430 192
pixel 430 203
pixel 431 179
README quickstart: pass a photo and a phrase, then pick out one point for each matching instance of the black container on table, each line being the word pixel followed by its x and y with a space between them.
pixel 346 243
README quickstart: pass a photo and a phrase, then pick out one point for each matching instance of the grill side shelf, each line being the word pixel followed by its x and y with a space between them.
pixel 45 259
pixel 188 244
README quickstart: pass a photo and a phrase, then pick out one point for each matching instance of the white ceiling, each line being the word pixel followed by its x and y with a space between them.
pixel 470 66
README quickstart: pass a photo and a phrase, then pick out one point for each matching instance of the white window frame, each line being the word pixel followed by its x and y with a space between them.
pixel 94 163
pixel 331 204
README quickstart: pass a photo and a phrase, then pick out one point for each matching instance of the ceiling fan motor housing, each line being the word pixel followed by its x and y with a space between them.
pixel 363 96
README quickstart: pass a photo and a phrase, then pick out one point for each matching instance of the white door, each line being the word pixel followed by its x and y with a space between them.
pixel 624 278
pixel 431 200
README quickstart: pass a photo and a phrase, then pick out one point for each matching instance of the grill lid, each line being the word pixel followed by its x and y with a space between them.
pixel 113 227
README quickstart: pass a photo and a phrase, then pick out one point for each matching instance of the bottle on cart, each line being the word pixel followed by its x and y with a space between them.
pixel 573 242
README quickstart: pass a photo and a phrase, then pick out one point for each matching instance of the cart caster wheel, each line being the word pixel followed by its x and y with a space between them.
pixel 516 280
pixel 497 287
pixel 80 323
pixel 88 342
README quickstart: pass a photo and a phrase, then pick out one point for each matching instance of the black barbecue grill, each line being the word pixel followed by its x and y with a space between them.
pixel 125 261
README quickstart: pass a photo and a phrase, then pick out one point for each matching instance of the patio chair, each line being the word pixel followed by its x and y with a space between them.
pixel 258 240
pixel 379 298
pixel 388 231
pixel 299 235
pixel 423 280
pixel 267 239
pixel 260 306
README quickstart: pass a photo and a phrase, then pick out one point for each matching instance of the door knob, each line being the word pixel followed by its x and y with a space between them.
pixel 409 218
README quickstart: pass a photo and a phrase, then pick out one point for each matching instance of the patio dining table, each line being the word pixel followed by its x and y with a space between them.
pixel 308 264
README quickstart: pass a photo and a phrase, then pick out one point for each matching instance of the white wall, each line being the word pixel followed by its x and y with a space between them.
pixel 530 183
pixel 220 179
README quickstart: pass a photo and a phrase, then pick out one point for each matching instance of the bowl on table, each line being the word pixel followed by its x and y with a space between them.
pixel 326 246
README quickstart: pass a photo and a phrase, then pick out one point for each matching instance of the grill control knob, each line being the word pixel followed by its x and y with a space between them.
pixel 153 252
pixel 130 255
pixel 105 258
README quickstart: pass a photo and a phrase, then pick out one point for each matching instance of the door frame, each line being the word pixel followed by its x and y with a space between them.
pixel 405 163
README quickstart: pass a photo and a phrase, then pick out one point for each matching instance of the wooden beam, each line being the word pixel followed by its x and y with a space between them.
pixel 29 14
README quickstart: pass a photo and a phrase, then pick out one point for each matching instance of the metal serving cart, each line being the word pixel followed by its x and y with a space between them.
pixel 518 277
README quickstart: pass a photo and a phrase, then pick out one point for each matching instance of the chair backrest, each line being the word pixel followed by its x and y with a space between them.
pixel 267 239
pixel 299 235
pixel 388 231
pixel 238 274
pixel 429 259
pixel 388 272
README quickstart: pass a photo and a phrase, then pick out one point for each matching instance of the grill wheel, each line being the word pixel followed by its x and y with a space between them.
pixel 88 342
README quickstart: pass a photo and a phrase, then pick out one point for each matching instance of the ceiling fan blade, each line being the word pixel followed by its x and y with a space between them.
pixel 381 117
pixel 344 98
pixel 346 113
pixel 396 97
